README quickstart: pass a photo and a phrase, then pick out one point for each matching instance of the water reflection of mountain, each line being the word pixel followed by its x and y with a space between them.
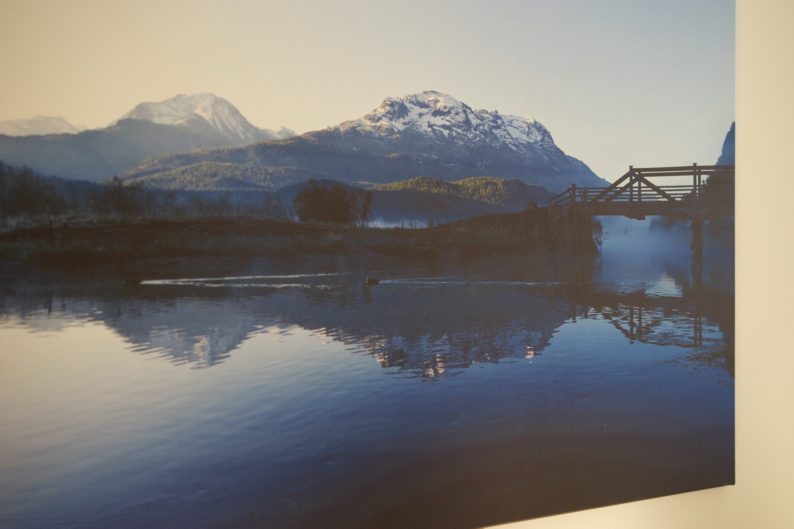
pixel 416 326
pixel 430 328
pixel 197 330
pixel 193 330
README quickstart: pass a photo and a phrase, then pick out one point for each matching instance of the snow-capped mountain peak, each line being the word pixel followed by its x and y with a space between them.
pixel 219 113
pixel 442 117
pixel 429 134
pixel 181 109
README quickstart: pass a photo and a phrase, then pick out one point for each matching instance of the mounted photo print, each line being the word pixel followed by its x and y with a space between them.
pixel 353 264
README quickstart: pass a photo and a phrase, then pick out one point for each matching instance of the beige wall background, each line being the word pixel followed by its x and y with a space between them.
pixel 763 496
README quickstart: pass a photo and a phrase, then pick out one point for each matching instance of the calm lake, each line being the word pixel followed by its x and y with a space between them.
pixel 454 393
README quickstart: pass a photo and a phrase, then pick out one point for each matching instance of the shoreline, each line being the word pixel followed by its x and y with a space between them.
pixel 136 249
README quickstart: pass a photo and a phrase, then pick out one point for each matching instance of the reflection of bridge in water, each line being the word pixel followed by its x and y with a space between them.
pixel 636 195
pixel 645 318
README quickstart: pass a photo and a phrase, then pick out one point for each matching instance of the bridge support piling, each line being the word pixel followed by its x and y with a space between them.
pixel 697 277
pixel 697 253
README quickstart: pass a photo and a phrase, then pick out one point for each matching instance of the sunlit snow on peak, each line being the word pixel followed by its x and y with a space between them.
pixel 442 116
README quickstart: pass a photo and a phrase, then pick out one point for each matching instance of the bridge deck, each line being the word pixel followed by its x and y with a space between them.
pixel 635 194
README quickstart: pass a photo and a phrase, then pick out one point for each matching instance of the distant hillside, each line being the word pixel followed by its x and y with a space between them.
pixel 421 200
pixel 38 125
pixel 224 176
pixel 426 199
pixel 27 194
pixel 485 189
pixel 728 153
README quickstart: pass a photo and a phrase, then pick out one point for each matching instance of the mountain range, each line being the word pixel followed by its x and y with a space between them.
pixel 180 124
pixel 428 133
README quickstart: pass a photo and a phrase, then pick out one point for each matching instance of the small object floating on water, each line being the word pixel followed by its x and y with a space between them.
pixel 371 281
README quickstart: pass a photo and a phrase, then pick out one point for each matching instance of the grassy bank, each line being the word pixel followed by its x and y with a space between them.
pixel 147 247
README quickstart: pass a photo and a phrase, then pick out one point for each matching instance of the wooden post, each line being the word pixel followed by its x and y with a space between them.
pixel 697 252
pixel 694 183
pixel 694 193
pixel 697 275
pixel 631 189
pixel 573 193
pixel 700 181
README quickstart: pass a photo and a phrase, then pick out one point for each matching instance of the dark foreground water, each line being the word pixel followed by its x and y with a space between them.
pixel 452 394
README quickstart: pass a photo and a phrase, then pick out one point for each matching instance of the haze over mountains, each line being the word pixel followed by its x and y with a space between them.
pixel 218 112
pixel 182 123
pixel 38 125
pixel 425 134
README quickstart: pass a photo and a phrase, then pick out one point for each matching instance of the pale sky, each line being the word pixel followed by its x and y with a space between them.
pixel 617 82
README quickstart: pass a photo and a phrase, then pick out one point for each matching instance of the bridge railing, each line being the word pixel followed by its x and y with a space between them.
pixel 588 194
pixel 635 187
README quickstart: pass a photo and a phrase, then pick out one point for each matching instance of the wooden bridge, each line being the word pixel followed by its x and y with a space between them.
pixel 638 193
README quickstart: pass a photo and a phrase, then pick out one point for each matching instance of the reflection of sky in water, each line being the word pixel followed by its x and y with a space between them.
pixel 664 286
